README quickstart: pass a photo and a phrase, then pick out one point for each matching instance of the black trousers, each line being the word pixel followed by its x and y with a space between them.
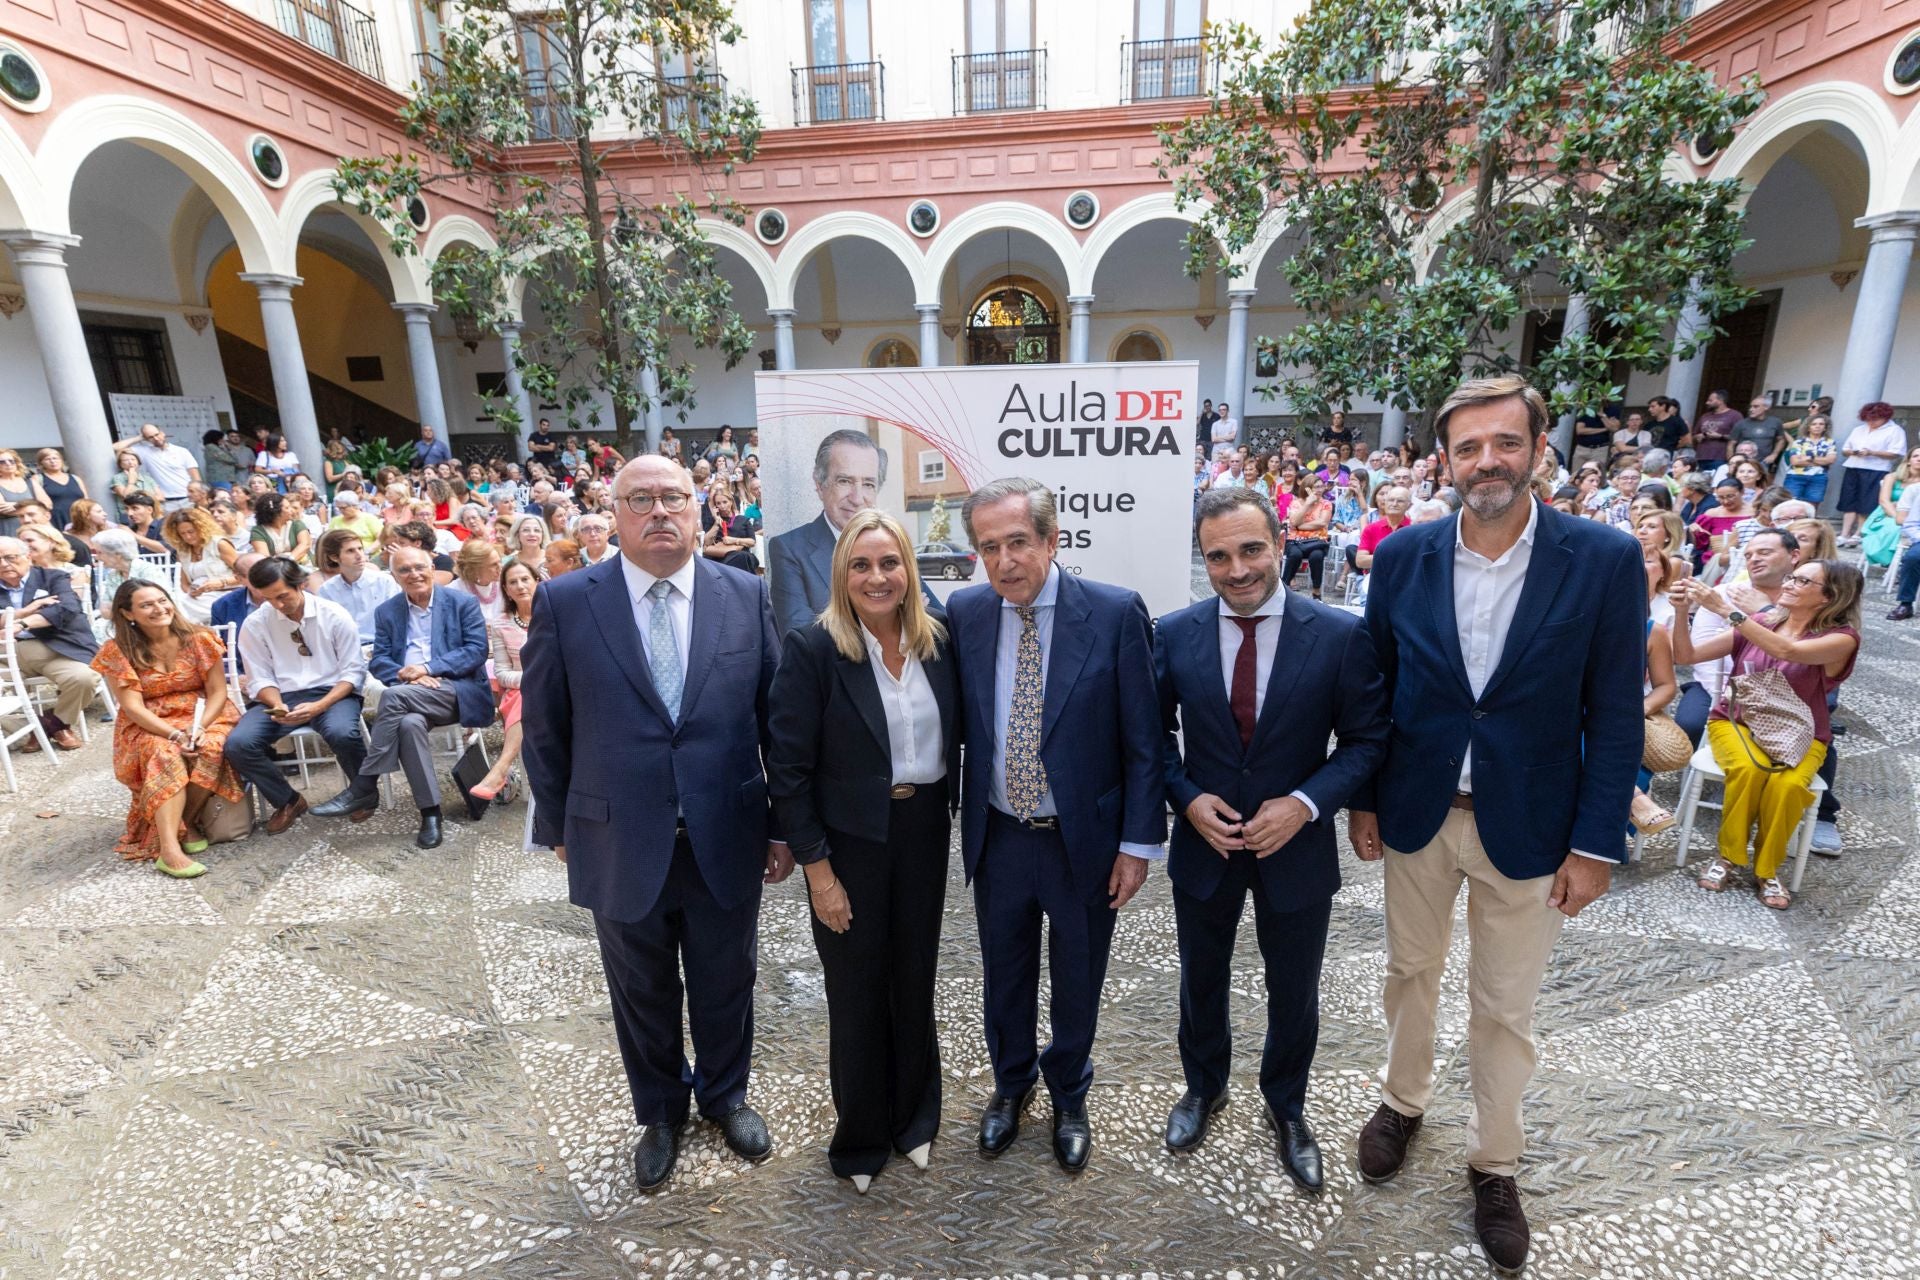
pixel 1311 551
pixel 1024 878
pixel 884 1058
pixel 719 947
pixel 1292 945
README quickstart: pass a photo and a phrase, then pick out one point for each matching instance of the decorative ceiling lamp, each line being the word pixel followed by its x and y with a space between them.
pixel 1009 297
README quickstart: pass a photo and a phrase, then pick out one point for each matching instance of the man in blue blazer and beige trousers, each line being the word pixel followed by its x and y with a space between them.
pixel 1512 640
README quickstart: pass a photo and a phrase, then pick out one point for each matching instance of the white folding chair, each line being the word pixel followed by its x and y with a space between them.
pixel 42 692
pixel 309 748
pixel 1703 769
pixel 14 701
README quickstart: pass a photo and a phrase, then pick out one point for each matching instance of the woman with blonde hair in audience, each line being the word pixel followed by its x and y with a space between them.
pixel 56 487
pixel 476 572
pixel 206 559
pixel 1816 539
pixel 562 556
pixel 399 508
pixel 1663 541
pixel 1811 639
pixel 169 678
pixel 527 544
pixel 506 635
pixel 48 548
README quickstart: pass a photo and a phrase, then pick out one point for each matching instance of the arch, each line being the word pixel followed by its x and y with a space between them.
pixel 894 340
pixel 22 200
pixel 1151 332
pixel 190 223
pixel 1247 263
pixel 747 249
pixel 1003 215
pixel 91 123
pixel 1158 207
pixel 1779 125
pixel 1904 166
pixel 801 244
pixel 312 192
pixel 456 228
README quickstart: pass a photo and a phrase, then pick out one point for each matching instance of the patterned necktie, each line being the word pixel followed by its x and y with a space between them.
pixel 1246 669
pixel 663 655
pixel 1026 776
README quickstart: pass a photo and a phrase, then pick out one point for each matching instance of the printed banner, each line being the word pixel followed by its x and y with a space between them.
pixel 1113 441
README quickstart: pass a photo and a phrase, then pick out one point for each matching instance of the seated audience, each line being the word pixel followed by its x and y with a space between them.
pixel 476 572
pixel 563 556
pixel 52 640
pixel 353 581
pixel 507 633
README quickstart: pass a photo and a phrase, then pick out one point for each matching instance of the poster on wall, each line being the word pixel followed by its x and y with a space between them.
pixel 1113 441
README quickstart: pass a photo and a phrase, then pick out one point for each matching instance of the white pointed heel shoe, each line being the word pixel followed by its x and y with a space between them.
pixel 861 1181
pixel 919 1155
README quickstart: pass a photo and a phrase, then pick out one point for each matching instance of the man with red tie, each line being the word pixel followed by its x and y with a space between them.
pixel 1260 678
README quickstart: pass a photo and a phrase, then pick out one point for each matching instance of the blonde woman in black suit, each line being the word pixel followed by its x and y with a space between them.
pixel 862 770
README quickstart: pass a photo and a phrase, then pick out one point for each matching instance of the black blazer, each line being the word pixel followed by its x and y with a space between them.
pixel 830 765
pixel 68 632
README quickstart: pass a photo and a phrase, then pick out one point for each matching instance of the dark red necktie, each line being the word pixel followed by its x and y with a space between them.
pixel 1246 670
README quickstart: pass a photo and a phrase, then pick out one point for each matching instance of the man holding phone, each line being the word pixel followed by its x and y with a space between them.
pixel 304 669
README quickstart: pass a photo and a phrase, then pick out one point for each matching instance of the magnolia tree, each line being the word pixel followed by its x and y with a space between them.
pixel 1445 166
pixel 542 107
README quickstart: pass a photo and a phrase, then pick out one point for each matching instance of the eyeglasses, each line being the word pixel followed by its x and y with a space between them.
pixel 1802 581
pixel 300 642
pixel 673 501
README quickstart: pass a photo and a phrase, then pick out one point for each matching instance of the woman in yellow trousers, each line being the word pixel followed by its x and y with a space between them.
pixel 1811 636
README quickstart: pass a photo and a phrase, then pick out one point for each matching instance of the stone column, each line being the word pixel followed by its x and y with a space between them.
pixel 1080 334
pixel 1234 389
pixel 1576 326
pixel 1393 427
pixel 426 367
pixel 516 390
pixel 292 393
pixel 1683 376
pixel 655 417
pixel 40 260
pixel 930 335
pixel 1876 316
pixel 782 338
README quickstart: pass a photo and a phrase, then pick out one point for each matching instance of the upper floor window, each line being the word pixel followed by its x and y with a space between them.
pixel 839 32
pixel 548 72
pixel 1168 19
pixel 1167 57
pixel 843 82
pixel 684 73
pixel 1001 70
pixel 999 26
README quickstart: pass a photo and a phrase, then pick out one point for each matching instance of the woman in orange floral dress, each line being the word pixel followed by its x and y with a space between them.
pixel 158 664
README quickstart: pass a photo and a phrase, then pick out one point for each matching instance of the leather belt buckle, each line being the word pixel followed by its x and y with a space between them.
pixel 1462 800
pixel 1039 824
pixel 902 791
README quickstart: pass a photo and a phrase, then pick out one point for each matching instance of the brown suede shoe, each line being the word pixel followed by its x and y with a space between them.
pixel 284 816
pixel 1499 1221
pixel 66 740
pixel 1383 1143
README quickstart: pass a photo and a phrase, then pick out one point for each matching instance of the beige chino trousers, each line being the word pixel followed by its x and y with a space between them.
pixel 1511 931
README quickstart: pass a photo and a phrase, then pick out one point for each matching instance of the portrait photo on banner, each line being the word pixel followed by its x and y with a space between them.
pixel 1112 441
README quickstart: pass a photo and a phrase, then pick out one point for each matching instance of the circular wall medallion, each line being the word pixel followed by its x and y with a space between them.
pixel 1705 146
pixel 269 162
pixel 417 213
pixel 23 85
pixel 770 226
pixel 923 218
pixel 1082 210
pixel 1423 194
pixel 1903 68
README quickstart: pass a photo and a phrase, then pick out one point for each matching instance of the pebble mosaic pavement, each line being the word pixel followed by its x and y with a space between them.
pixel 338 1056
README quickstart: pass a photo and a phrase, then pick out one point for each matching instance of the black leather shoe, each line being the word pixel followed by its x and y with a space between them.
pixel 1901 612
pixel 1499 1221
pixel 353 802
pixel 1187 1122
pixel 654 1155
pixel 1072 1138
pixel 429 837
pixel 1383 1143
pixel 746 1133
pixel 1300 1154
pixel 1000 1122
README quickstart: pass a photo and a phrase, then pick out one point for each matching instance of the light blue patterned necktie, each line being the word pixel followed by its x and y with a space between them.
pixel 663 654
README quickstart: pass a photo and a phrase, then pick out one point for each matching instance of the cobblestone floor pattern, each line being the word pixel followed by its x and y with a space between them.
pixel 337 1056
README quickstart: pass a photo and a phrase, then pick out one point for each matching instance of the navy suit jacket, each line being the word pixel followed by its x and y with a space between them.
pixel 68 632
pixel 459 650
pixel 612 771
pixel 1556 734
pixel 1325 680
pixel 1099 728
pixel 800 575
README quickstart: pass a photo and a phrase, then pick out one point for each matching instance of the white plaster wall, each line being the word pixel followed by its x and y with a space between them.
pixel 28 421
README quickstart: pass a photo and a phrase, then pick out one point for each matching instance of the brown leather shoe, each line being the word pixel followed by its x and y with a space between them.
pixel 1383 1143
pixel 1499 1221
pixel 66 740
pixel 283 816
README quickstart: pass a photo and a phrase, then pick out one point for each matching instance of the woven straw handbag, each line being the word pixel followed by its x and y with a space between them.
pixel 1668 747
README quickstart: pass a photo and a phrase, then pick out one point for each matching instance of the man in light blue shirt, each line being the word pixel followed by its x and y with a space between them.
pixel 354 583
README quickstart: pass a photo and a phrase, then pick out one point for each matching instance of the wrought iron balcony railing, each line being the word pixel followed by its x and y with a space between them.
pixel 681 98
pixel 1008 80
pixel 1155 69
pixel 336 29
pixel 845 91
pixel 549 107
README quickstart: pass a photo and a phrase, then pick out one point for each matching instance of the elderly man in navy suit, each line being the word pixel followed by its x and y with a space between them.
pixel 52 639
pixel 1259 678
pixel 1513 642
pixel 1063 797
pixel 646 679
pixel 430 651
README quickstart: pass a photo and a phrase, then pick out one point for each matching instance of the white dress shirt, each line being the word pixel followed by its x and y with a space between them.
pixel 1486 594
pixel 419 634
pixel 272 657
pixel 678 604
pixel 1266 643
pixel 1006 668
pixel 914 741
pixel 360 598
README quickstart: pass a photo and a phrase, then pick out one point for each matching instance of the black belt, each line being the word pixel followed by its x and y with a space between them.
pixel 1049 823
